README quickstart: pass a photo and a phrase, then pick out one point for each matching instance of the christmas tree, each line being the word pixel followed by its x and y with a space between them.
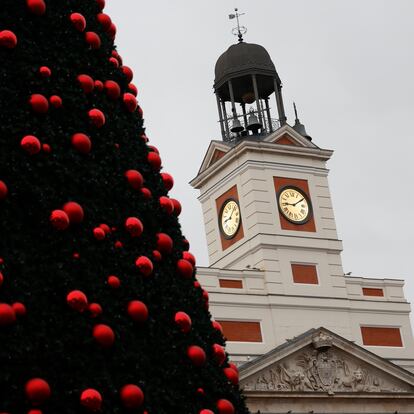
pixel 100 309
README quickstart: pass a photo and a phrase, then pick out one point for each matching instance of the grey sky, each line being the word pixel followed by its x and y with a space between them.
pixel 348 64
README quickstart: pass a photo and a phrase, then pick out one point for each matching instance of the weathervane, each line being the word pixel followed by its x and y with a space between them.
pixel 239 30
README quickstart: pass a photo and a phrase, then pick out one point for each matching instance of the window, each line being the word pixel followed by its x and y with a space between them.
pixel 305 273
pixel 381 336
pixel 241 331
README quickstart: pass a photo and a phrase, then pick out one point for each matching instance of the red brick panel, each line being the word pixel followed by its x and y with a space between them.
pixel 285 140
pixel 231 283
pixel 378 336
pixel 281 182
pixel 305 274
pixel 372 292
pixel 241 331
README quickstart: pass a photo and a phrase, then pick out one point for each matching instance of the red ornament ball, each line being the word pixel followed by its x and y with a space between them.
pixel 59 220
pixel 56 101
pixel 8 39
pixel 31 144
pixel 7 315
pixel 34 412
pixel 190 257
pixel 74 212
pixel 3 190
pixel 95 310
pixel 133 89
pixel 97 118
pixel 177 207
pixel 131 396
pixel 231 375
pixel 78 21
pixel 219 354
pixel 196 355
pixel 99 86
pixel 39 103
pixel 101 4
pixel 144 265
pixel 93 40
pixel 99 233
pixel 82 143
pixel 197 284
pixel 37 7
pixel 205 295
pixel 105 228
pixel 46 148
pixel 114 282
pixel 91 399
pixel 114 62
pixel 77 300
pixel 45 72
pixel 134 226
pixel 185 268
pixel 225 407
pixel 168 181
pixel 118 245
pixel 104 335
pixel 217 326
pixel 104 20
pixel 19 309
pixel 206 412
pixel 154 160
pixel 130 102
pixel 183 321
pixel 138 311
pixel 166 204
pixel 1 279
pixel 37 391
pixel 146 193
pixel 233 366
pixel 135 179
pixel 86 83
pixel 154 149
pixel 127 71
pixel 164 243
pixel 112 89
pixel 156 255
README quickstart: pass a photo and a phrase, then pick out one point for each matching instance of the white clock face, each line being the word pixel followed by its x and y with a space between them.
pixel 294 205
pixel 230 218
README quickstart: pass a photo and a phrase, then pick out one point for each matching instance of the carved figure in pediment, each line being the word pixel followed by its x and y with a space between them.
pixel 326 368
pixel 262 383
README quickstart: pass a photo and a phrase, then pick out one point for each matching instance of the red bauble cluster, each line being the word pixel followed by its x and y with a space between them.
pixel 77 300
pixel 131 396
pixel 37 391
pixel 135 179
pixel 134 226
pixel 97 118
pixel 37 7
pixel 166 204
pixel 144 265
pixel 86 83
pixel 185 269
pixel 31 144
pixel 138 311
pixel 74 212
pixel 104 335
pixel 3 190
pixel 225 407
pixel 183 321
pixel 113 90
pixel 168 181
pixel 196 355
pixel 91 399
pixel 93 40
pixel 190 257
pixel 7 315
pixel 8 39
pixel 82 143
pixel 78 21
pixel 164 243
pixel 39 103
pixel 59 219
pixel 231 375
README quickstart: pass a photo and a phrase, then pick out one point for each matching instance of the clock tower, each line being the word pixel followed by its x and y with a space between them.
pixel 275 268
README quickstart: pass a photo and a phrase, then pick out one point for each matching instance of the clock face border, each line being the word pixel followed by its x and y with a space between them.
pixel 305 195
pixel 223 233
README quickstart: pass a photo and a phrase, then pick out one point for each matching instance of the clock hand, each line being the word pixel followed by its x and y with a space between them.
pixel 288 204
pixel 298 201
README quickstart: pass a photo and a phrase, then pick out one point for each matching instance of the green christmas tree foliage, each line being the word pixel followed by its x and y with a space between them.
pixel 100 309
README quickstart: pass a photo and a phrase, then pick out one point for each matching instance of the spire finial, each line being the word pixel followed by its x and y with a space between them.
pixel 296 112
pixel 239 30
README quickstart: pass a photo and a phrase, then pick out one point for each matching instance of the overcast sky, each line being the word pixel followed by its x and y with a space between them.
pixel 348 64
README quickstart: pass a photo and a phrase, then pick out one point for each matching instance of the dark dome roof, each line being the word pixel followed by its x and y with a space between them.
pixel 241 59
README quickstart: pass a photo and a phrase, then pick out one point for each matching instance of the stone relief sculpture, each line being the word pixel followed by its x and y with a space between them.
pixel 322 368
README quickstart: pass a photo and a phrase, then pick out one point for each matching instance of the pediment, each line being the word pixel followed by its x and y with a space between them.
pixel 215 152
pixel 320 361
pixel 286 135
